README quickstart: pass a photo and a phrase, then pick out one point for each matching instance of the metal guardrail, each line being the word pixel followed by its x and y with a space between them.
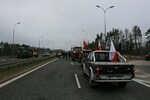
pixel 16 63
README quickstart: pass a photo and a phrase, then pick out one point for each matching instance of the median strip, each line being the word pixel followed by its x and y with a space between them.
pixel 22 75
pixel 77 80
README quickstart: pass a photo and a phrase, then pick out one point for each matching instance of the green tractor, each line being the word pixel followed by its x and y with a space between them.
pixel 24 52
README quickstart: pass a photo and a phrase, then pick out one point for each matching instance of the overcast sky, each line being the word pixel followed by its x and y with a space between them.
pixel 61 21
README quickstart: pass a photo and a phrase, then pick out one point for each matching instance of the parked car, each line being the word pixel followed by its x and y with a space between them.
pixel 100 68
pixel 45 54
pixel 147 56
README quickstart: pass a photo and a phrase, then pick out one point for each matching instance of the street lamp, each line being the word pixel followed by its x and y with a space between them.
pixel 80 41
pixel 13 50
pixel 40 42
pixel 105 10
pixel 86 34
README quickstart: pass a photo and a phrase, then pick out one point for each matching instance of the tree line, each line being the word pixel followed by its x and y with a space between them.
pixel 6 48
pixel 126 42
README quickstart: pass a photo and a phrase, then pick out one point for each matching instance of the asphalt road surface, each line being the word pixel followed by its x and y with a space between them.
pixel 63 80
pixel 142 65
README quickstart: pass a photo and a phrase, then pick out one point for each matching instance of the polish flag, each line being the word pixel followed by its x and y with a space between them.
pixel 112 53
pixel 99 46
pixel 84 43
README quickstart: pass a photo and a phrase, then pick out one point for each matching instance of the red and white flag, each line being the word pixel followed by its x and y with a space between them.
pixel 84 43
pixel 112 53
pixel 99 46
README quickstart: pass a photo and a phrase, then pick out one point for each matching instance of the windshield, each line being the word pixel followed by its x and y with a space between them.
pixel 77 48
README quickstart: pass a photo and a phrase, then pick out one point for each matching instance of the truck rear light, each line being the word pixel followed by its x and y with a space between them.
pixel 97 71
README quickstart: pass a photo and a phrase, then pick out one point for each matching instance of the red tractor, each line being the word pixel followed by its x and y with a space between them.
pixel 76 53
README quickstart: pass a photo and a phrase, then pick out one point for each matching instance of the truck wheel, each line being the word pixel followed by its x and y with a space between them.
pixel 92 83
pixel 84 74
pixel 122 84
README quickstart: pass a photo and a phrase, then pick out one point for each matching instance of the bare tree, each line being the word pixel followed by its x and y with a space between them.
pixel 147 34
pixel 137 36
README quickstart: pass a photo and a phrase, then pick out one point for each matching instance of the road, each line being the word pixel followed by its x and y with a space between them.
pixel 142 65
pixel 63 80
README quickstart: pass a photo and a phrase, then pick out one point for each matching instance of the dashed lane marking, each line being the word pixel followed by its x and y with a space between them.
pixel 77 80
pixel 22 75
pixel 72 63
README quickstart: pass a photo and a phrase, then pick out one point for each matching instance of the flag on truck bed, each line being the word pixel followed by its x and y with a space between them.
pixel 112 53
pixel 84 43
pixel 99 46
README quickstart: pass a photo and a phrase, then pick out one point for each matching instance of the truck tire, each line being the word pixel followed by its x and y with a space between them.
pixel 84 74
pixel 122 84
pixel 92 83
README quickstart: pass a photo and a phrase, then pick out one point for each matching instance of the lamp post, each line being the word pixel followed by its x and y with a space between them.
pixel 105 10
pixel 40 42
pixel 80 41
pixel 13 50
pixel 86 34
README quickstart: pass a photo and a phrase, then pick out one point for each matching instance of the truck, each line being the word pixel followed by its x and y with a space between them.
pixel 35 54
pixel 76 53
pixel 100 68
pixel 58 53
pixel 24 52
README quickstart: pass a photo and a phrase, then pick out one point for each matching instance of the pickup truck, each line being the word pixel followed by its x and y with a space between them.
pixel 100 69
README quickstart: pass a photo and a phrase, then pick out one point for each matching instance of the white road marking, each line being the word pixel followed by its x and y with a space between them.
pixel 22 75
pixel 72 63
pixel 77 80
pixel 141 76
pixel 141 82
pixel 145 73
pixel 137 70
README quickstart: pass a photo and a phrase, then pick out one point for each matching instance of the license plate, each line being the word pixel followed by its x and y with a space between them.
pixel 115 77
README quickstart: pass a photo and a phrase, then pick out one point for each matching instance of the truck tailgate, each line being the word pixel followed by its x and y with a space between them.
pixel 116 69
